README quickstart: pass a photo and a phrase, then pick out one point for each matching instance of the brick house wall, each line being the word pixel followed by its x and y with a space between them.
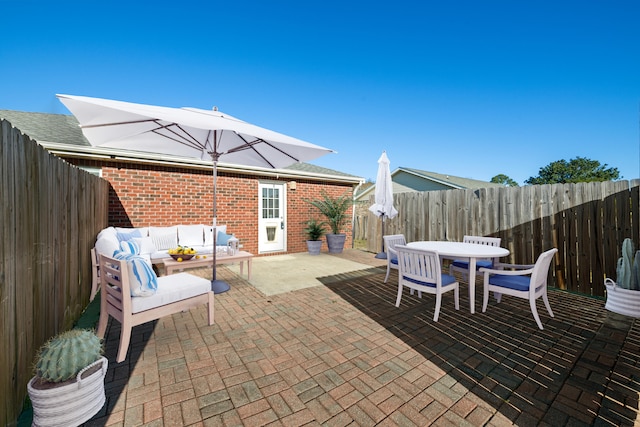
pixel 151 195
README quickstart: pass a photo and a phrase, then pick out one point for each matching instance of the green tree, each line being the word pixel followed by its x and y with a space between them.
pixel 504 180
pixel 575 170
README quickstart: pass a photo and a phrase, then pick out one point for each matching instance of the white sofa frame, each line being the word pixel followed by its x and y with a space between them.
pixel 115 301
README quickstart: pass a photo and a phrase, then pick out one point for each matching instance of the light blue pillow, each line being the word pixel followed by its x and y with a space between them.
pixel 223 238
pixel 144 281
pixel 122 236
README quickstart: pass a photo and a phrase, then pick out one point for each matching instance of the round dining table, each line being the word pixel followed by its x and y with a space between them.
pixel 460 250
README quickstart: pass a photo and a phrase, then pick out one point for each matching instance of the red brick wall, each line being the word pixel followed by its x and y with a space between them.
pixel 149 195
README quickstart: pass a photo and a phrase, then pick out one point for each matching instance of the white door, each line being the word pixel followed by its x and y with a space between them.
pixel 271 217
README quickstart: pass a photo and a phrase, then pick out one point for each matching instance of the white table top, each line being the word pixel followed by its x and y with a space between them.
pixel 462 250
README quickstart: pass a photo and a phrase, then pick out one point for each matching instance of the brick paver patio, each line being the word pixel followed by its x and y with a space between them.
pixel 343 354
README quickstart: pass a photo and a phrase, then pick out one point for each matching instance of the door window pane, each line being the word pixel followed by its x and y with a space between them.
pixel 270 203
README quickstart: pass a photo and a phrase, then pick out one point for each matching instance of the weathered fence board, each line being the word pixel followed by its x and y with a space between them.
pixel 587 222
pixel 51 213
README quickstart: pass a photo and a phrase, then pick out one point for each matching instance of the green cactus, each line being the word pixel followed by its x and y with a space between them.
pixel 66 354
pixel 628 266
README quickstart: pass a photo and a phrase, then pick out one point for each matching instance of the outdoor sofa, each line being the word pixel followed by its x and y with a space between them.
pixel 153 243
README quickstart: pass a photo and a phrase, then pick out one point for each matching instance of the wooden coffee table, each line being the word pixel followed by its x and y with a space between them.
pixel 171 265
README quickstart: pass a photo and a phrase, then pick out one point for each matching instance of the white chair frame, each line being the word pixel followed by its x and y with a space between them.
pixel 115 301
pixel 95 274
pixel 537 285
pixel 390 242
pixel 416 265
pixel 478 240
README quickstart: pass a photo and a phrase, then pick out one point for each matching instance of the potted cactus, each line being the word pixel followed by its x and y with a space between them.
pixel 623 296
pixel 68 386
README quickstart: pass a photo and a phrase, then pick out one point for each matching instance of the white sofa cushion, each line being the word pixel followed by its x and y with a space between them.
pixel 107 242
pixel 164 237
pixel 146 245
pixel 172 288
pixel 191 235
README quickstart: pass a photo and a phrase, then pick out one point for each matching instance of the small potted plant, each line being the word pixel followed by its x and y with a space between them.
pixel 335 210
pixel 315 230
pixel 623 296
pixel 68 386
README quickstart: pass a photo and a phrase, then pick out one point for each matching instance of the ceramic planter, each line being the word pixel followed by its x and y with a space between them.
pixel 313 246
pixel 70 403
pixel 622 301
pixel 335 242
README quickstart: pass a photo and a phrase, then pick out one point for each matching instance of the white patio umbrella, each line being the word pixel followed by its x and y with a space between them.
pixel 187 132
pixel 383 206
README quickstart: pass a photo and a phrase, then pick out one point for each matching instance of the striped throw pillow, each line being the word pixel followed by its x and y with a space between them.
pixel 130 247
pixel 143 280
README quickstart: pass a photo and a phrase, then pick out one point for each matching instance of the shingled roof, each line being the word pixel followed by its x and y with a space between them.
pixel 407 180
pixel 44 128
pixel 453 181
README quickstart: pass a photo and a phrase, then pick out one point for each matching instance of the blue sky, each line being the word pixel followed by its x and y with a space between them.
pixel 467 88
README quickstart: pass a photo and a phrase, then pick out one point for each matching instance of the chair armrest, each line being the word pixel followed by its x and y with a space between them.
pixel 514 266
pixel 509 269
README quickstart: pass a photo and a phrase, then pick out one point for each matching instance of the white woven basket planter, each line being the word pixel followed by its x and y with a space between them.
pixel 622 301
pixel 69 404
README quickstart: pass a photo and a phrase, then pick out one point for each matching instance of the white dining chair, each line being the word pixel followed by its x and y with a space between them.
pixel 522 281
pixel 390 243
pixel 462 265
pixel 420 270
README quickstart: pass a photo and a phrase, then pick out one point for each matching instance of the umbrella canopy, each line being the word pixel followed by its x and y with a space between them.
pixel 187 132
pixel 383 205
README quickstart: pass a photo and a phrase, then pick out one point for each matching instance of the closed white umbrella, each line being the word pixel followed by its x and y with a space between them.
pixel 383 206
pixel 187 132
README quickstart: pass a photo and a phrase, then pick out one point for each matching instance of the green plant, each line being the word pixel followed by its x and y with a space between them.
pixel 66 354
pixel 315 229
pixel 334 209
pixel 628 268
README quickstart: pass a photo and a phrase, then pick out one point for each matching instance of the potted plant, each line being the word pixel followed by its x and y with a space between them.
pixel 335 210
pixel 623 296
pixel 68 386
pixel 315 230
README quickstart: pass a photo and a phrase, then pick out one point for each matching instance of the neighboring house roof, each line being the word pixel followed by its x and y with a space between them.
pixel 408 179
pixel 61 135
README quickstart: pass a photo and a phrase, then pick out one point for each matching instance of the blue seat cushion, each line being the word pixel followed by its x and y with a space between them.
pixel 518 283
pixel 479 264
pixel 394 261
pixel 446 280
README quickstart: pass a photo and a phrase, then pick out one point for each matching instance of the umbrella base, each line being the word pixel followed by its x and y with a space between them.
pixel 219 286
pixel 381 255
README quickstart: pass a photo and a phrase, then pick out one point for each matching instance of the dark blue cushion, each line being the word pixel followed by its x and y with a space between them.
pixel 518 283
pixel 394 261
pixel 446 280
pixel 479 264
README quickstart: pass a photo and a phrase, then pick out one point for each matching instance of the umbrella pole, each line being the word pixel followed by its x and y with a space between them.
pixel 217 286
pixel 382 254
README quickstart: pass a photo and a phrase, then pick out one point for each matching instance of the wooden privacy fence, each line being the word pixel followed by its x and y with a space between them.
pixel 51 214
pixel 587 222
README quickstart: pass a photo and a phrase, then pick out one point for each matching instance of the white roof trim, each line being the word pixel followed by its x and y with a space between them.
pixel 98 153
